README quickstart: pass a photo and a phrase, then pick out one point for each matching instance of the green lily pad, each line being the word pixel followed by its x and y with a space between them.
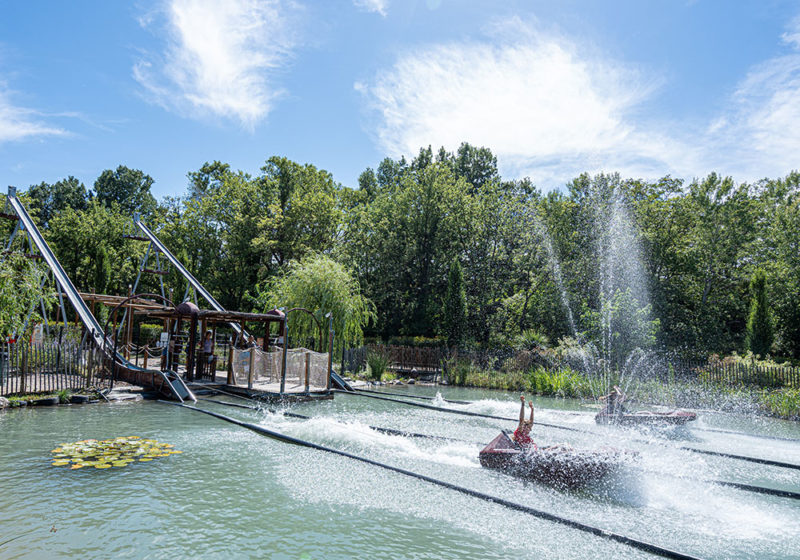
pixel 103 454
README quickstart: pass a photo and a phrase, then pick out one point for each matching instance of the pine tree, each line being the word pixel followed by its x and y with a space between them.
pixel 760 332
pixel 455 306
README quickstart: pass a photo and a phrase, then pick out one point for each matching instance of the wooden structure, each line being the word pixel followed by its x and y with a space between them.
pixel 199 366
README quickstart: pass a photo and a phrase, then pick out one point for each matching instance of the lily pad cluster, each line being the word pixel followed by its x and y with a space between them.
pixel 107 453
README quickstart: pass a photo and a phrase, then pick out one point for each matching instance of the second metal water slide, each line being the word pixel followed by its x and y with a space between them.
pixel 337 380
pixel 170 380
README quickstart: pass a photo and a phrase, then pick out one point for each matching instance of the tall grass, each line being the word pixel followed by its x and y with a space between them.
pixel 782 402
pixel 377 364
pixel 564 382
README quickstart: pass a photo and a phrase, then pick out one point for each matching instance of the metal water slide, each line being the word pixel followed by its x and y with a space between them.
pixel 198 287
pixel 177 387
pixel 337 380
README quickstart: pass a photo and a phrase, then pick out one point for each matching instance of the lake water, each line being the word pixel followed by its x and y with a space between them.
pixel 236 494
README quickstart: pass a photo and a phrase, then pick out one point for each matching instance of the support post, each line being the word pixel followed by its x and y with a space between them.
pixel 285 348
pixel 230 379
pixel 190 348
pixel 251 368
pixel 24 366
pixel 330 359
pixel 308 370
pixel 128 325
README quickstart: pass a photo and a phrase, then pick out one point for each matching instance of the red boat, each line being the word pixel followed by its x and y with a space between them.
pixel 558 465
pixel 675 418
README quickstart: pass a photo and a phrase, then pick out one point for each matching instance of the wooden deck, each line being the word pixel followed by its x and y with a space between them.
pixel 263 391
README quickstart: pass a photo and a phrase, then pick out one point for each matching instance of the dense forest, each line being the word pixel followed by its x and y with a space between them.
pixel 418 235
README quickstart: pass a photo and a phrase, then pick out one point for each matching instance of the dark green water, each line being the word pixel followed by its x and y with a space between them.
pixel 235 494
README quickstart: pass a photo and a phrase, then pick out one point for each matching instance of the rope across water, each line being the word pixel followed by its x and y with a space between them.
pixel 556 426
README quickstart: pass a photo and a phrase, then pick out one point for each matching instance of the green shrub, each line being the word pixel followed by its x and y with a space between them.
pixel 377 364
pixel 782 402
pixel 530 339
pixel 564 382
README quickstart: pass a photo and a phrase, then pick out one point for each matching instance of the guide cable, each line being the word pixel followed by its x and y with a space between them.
pixel 682 447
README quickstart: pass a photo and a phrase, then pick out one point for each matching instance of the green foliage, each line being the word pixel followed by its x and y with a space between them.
pixel 45 200
pixel 301 213
pixel 79 237
pixel 563 382
pixel 400 230
pixel 128 188
pixel 784 403
pixel 759 323
pixel 418 341
pixel 322 286
pixel 455 306
pixel 102 270
pixel 20 292
pixel 377 364
pixel 530 339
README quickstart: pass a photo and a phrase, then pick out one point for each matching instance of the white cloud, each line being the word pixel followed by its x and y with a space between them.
pixel 551 109
pixel 221 58
pixel 758 133
pixel 792 35
pixel 537 102
pixel 18 123
pixel 376 6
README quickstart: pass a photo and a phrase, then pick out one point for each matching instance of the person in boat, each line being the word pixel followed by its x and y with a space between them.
pixel 522 435
pixel 614 407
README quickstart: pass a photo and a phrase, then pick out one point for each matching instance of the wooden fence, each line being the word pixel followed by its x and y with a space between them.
pixel 49 367
pixel 410 361
pixel 736 373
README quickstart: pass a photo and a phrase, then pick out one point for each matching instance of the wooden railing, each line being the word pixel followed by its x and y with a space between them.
pixel 47 367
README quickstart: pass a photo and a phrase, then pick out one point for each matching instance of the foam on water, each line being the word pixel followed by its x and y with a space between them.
pixel 359 437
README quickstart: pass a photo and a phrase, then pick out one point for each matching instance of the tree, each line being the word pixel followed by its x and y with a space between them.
pixel 455 302
pixel 477 165
pixel 76 238
pixel 102 270
pixel 208 178
pixel 760 333
pixel 20 291
pixel 301 213
pixel 47 200
pixel 321 285
pixel 130 188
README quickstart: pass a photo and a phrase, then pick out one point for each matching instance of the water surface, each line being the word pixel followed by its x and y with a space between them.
pixel 235 494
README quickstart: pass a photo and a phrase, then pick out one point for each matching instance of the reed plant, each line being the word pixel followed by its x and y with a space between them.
pixel 784 403
pixel 377 364
pixel 562 382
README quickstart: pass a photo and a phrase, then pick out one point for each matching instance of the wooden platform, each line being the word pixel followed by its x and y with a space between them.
pixel 269 392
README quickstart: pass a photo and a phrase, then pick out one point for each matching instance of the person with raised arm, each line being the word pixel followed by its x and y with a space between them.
pixel 522 435
pixel 614 409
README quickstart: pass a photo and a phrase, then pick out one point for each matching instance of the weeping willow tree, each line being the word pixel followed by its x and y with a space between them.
pixel 321 285
pixel 20 292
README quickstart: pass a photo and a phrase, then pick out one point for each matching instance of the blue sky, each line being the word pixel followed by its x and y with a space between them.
pixel 645 88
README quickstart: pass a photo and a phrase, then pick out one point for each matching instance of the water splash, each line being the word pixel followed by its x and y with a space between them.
pixel 623 319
